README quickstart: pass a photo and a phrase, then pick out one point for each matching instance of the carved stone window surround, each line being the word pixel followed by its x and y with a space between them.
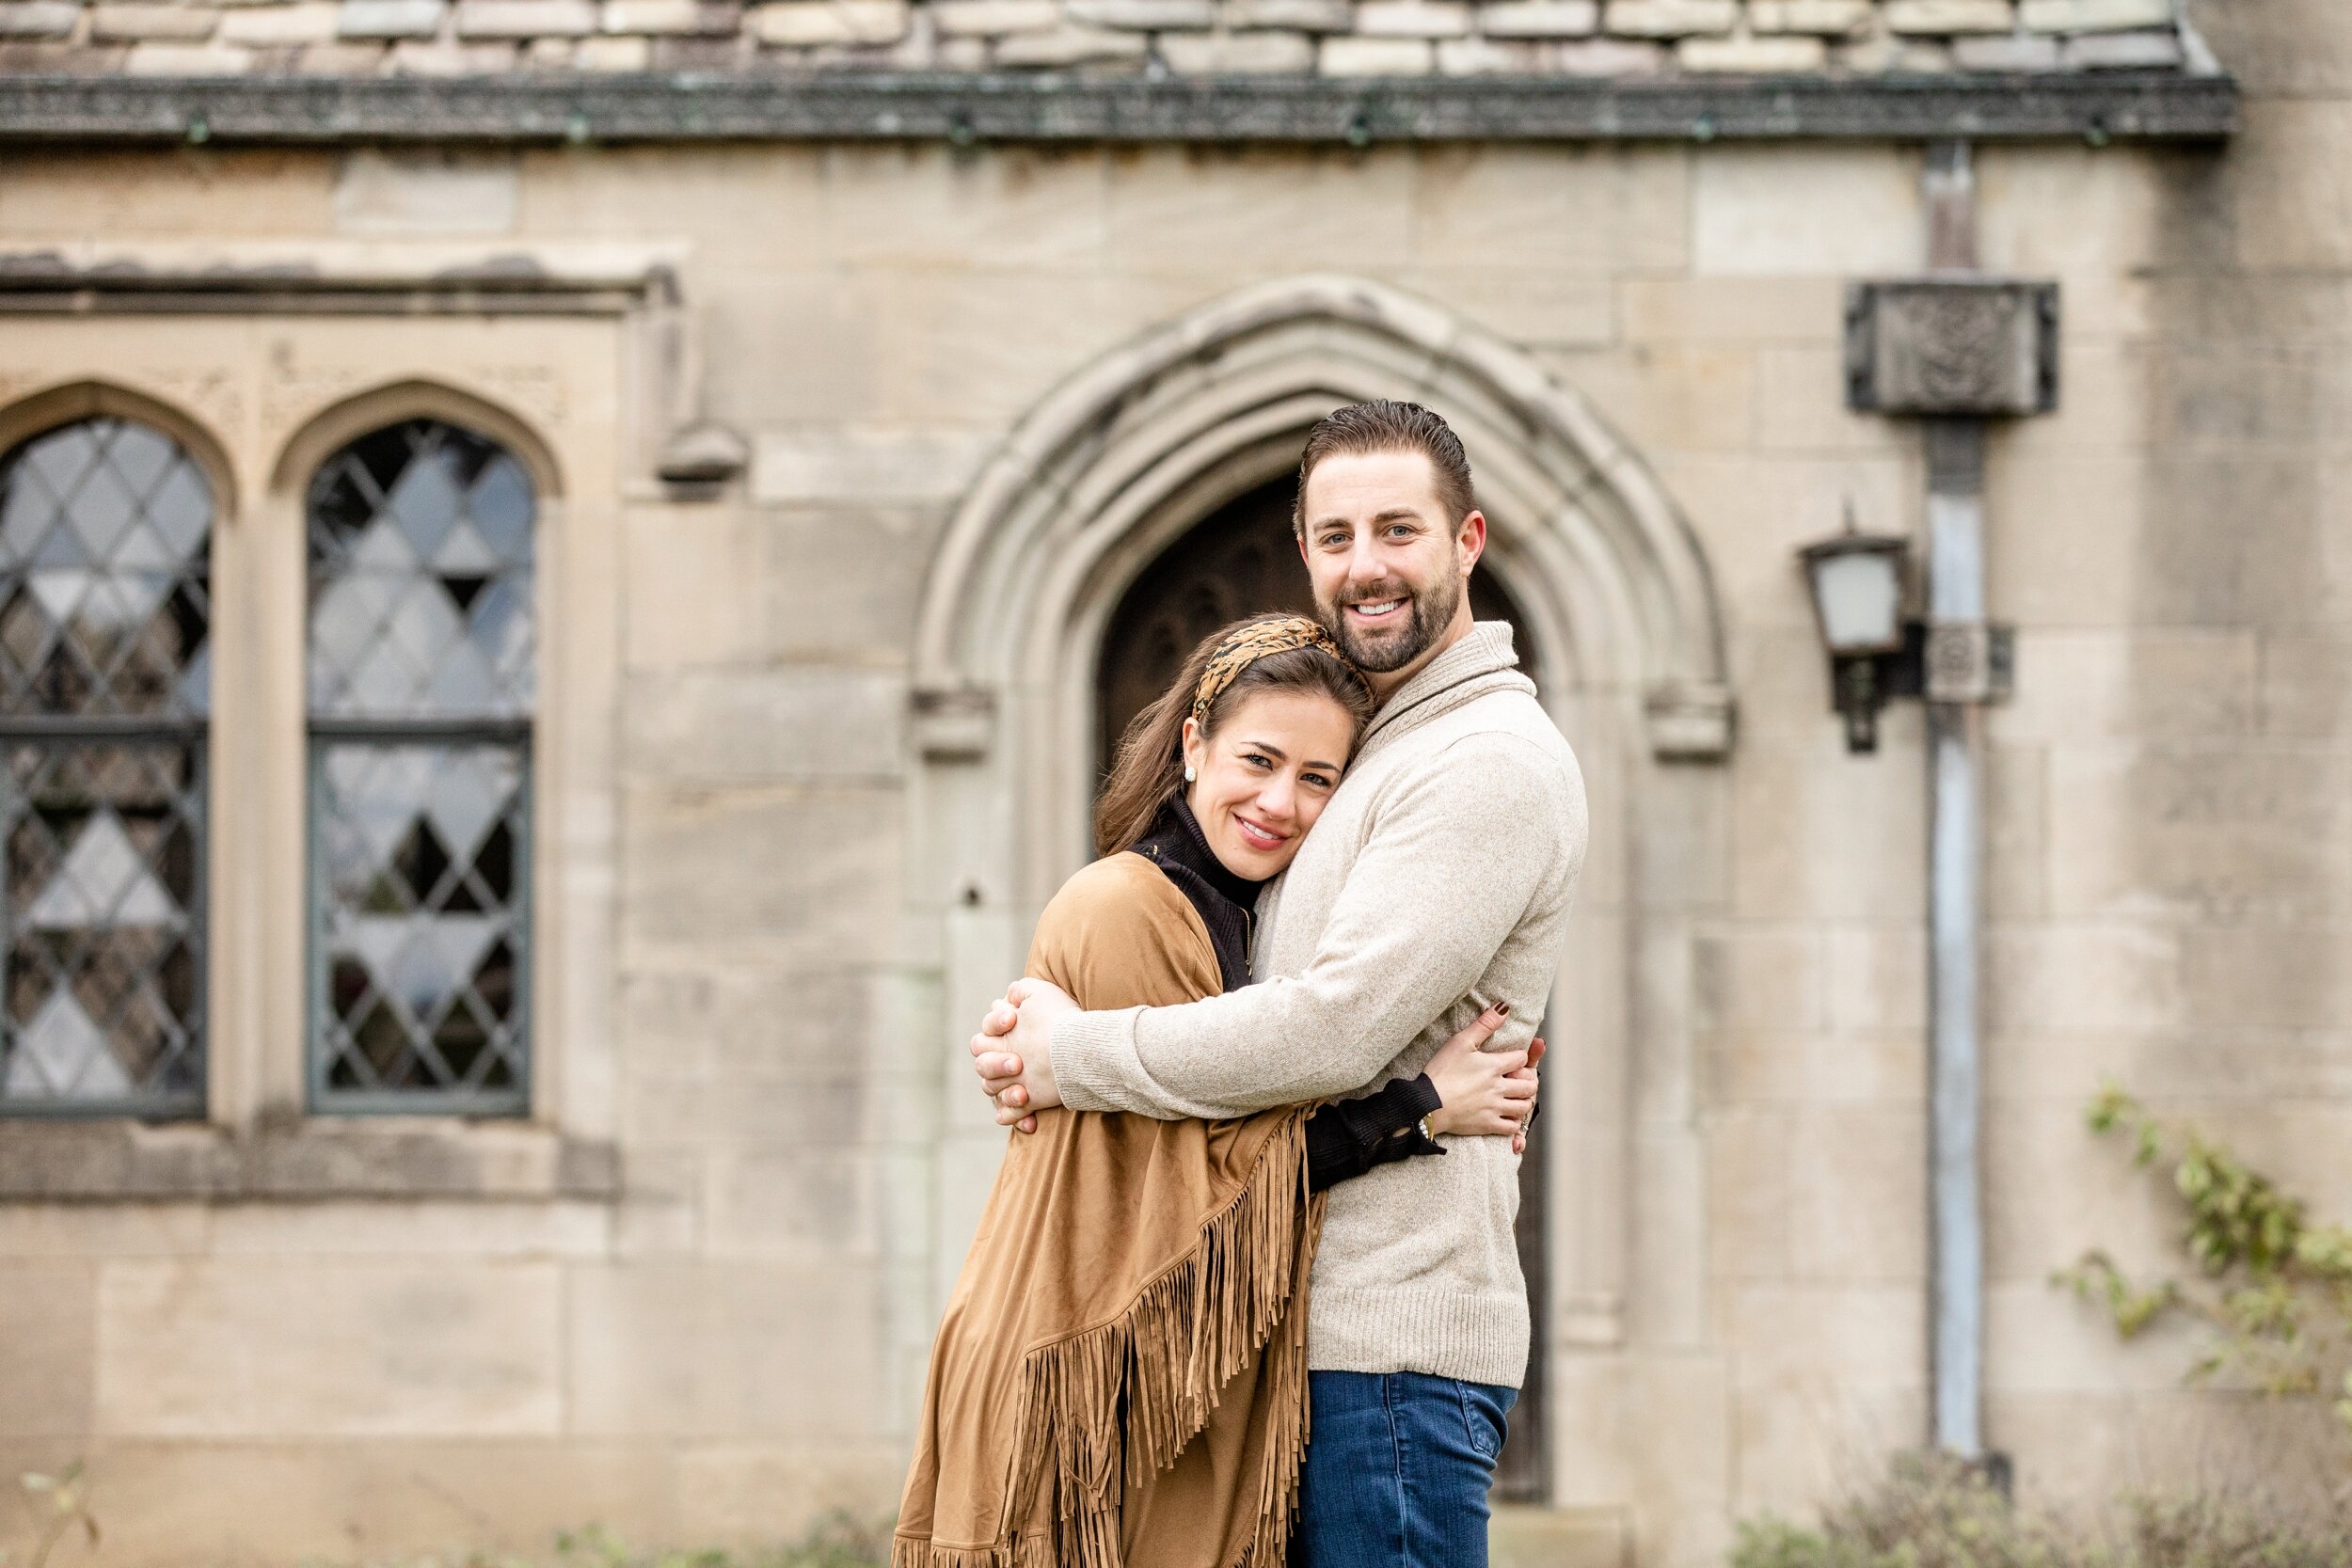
pixel 341 347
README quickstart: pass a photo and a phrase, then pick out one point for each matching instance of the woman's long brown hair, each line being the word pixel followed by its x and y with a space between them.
pixel 1148 771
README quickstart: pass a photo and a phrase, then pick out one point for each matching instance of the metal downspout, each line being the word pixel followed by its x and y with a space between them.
pixel 1956 600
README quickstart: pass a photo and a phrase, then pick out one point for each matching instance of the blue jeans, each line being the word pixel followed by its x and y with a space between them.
pixel 1397 1469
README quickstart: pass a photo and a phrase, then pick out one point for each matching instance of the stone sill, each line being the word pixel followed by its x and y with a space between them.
pixel 117 1160
pixel 2096 108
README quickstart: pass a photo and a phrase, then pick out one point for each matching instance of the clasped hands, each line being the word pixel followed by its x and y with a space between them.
pixel 1484 1092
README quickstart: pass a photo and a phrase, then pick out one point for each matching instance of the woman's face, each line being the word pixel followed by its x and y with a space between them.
pixel 1261 781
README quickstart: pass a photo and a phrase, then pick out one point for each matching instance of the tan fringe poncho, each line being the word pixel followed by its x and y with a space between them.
pixel 1121 1377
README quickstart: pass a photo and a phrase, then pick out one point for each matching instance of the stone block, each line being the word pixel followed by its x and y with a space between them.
pixel 1413 18
pixel 47 1324
pixel 677 1349
pixel 1611 57
pixel 1144 16
pixel 39 19
pixel 1748 1198
pixel 613 54
pixel 525 19
pixel 1857 1187
pixel 828 888
pixel 2006 52
pixel 1669 19
pixel 2082 979
pixel 2305 687
pixel 1070 46
pixel 382 1230
pixel 1949 16
pixel 355 1347
pixel 1360 57
pixel 345 58
pixel 2044 1340
pixel 130 22
pixel 1860 207
pixel 187 59
pixel 1828 18
pixel 2243 834
pixel 758 1494
pixel 690 18
pixel 1484 56
pixel 269 27
pixel 1538 19
pixel 2094 16
pixel 2157 684
pixel 547 54
pixel 779 722
pixel 1755 56
pixel 2152 50
pixel 1761 978
pixel 869 464
pixel 1794 1338
pixel 810 22
pixel 994 18
pixel 431 57
pixel 391 19
pixel 700 54
pixel 820 1204
pixel 387 193
pixel 1784 805
pixel 1876 979
pixel 1305 16
pixel 1258 53
pixel 1584 213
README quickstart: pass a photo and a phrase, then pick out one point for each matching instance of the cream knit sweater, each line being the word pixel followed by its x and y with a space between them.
pixel 1435 883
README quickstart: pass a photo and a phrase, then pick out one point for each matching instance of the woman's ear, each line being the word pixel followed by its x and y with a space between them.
pixel 1196 750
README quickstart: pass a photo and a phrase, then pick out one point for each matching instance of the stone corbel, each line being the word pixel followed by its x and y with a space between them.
pixel 1689 723
pixel 697 457
pixel 954 724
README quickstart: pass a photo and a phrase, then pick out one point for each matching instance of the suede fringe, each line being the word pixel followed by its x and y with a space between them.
pixel 1115 1402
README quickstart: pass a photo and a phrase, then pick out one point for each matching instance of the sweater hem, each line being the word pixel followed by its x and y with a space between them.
pixel 1472 1335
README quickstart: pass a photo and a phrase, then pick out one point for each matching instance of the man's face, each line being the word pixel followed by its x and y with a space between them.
pixel 1388 566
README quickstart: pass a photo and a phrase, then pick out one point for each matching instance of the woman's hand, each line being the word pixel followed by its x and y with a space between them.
pixel 1481 1092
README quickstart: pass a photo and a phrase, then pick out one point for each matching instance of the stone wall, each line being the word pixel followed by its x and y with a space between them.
pixel 1184 38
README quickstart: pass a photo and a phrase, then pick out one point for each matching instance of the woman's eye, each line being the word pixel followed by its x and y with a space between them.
pixel 1254 760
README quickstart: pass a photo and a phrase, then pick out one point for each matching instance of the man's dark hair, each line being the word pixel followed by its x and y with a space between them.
pixel 1386 425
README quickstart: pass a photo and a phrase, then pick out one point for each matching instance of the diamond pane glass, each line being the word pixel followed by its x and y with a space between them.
pixel 104 964
pixel 420 561
pixel 420 861
pixel 105 592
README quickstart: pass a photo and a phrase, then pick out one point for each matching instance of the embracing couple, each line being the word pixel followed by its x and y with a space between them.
pixel 1275 1082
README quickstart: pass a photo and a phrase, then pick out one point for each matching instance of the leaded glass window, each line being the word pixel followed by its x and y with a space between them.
pixel 105 530
pixel 420 696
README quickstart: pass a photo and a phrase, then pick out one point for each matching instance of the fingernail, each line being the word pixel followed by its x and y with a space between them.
pixel 1504 1007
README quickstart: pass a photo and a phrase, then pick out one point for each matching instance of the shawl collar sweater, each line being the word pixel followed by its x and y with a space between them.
pixel 1436 882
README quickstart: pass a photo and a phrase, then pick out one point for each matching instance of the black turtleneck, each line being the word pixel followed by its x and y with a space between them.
pixel 1346 1137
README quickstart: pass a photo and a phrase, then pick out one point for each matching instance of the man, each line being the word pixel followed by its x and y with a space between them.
pixel 1437 882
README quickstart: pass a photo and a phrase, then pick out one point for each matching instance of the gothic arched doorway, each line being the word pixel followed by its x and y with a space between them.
pixel 1242 560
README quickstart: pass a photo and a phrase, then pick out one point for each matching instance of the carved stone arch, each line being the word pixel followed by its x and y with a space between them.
pixel 326 430
pixel 47 409
pixel 1123 459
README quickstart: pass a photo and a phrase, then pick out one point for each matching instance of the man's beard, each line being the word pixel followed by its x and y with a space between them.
pixel 1405 638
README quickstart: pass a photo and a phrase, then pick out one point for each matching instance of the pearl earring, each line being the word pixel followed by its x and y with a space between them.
pixel 1188 773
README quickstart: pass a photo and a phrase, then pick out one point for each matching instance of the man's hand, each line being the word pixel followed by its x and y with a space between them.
pixel 1013 1052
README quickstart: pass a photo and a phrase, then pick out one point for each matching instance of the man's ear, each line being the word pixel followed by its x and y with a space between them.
pixel 1471 539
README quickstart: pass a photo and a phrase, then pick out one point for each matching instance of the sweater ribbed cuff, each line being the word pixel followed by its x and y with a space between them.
pixel 1087 1049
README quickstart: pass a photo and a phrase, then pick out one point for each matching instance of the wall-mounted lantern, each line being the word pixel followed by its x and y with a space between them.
pixel 1861 587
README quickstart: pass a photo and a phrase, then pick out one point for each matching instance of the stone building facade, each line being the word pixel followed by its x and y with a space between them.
pixel 582 534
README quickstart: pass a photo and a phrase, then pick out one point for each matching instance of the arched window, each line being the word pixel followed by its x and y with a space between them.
pixel 420 697
pixel 105 527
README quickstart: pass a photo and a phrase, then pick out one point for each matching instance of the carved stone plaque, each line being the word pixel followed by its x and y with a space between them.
pixel 1962 346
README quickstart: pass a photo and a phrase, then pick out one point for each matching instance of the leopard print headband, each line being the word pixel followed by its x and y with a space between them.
pixel 1251 644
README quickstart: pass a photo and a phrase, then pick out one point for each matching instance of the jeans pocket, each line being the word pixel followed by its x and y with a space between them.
pixel 1485 1411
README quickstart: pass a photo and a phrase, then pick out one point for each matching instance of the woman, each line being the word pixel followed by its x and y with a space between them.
pixel 1120 1378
